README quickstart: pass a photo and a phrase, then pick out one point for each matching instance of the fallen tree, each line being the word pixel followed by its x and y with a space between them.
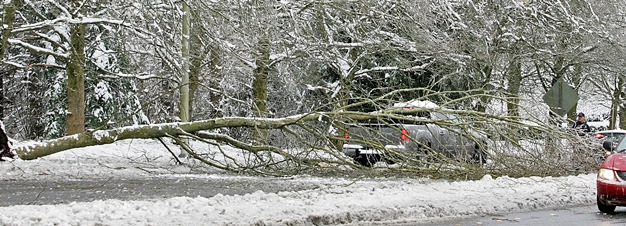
pixel 99 137
pixel 315 138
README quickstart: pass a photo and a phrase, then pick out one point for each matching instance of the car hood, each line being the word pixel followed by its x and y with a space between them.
pixel 615 161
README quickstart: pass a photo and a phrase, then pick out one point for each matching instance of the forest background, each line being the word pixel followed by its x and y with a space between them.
pixel 76 66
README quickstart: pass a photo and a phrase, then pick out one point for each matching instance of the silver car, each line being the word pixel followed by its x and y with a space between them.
pixel 369 142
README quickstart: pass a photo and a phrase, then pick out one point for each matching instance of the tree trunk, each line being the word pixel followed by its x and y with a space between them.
pixel 7 25
pixel 622 100
pixel 512 102
pixel 198 53
pixel 259 86
pixel 215 64
pixel 184 85
pixel 577 79
pixel 484 99
pixel 4 72
pixel 515 81
pixel 195 70
pixel 76 77
pixel 100 137
pixel 615 103
pixel 183 106
pixel 33 150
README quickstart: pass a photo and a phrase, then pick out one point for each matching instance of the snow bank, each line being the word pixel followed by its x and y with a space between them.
pixel 335 201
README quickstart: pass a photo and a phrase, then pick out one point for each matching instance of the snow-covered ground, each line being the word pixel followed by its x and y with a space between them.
pixel 334 201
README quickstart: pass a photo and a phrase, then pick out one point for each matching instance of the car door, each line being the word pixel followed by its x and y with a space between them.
pixel 459 144
pixel 444 138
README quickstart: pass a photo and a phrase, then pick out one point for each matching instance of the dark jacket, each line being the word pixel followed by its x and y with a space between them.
pixel 581 127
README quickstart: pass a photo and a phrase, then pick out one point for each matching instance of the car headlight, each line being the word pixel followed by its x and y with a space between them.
pixel 606 174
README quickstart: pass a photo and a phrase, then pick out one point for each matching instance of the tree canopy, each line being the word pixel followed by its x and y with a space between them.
pixel 258 60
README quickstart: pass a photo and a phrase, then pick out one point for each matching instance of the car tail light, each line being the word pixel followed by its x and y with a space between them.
pixel 404 136
pixel 345 134
pixel 598 135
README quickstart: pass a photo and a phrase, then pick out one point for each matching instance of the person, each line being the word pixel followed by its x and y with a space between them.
pixel 581 125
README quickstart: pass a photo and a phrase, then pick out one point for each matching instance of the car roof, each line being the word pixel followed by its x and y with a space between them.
pixel 613 131
pixel 416 104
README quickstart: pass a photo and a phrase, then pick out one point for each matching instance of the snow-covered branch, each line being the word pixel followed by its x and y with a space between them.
pixel 38 49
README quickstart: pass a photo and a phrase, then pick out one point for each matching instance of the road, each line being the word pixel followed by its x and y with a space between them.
pixel 570 216
pixel 29 192
pixel 33 192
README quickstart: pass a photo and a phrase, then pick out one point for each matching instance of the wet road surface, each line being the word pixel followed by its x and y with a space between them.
pixel 34 192
pixel 570 216
pixel 16 192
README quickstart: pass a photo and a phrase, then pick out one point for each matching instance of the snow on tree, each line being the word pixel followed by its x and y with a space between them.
pixel 298 58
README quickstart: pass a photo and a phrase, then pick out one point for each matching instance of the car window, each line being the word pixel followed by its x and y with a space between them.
pixel 438 116
pixel 447 117
pixel 621 147
pixel 616 137
pixel 454 118
pixel 613 137
pixel 422 114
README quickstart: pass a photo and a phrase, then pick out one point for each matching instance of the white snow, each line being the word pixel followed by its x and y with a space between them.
pixel 416 104
pixel 335 200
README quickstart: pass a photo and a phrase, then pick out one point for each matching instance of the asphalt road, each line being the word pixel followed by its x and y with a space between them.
pixel 29 192
pixel 570 216
pixel 33 192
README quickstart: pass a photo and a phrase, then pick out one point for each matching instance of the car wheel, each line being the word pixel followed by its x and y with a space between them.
pixel 426 155
pixel 390 161
pixel 366 160
pixel 390 158
pixel 479 156
pixel 604 207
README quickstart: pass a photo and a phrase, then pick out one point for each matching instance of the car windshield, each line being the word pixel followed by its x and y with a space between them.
pixel 621 147
pixel 613 137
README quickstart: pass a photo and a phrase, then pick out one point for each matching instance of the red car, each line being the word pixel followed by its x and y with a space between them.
pixel 611 182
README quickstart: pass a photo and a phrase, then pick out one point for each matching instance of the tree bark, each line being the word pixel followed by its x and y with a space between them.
pixel 259 86
pixel 484 99
pixel 76 77
pixel 215 63
pixel 615 103
pixel 31 151
pixel 577 80
pixel 195 69
pixel 7 28
pixel 512 102
pixel 622 100
pixel 85 139
pixel 515 81
pixel 185 100
pixel 184 86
